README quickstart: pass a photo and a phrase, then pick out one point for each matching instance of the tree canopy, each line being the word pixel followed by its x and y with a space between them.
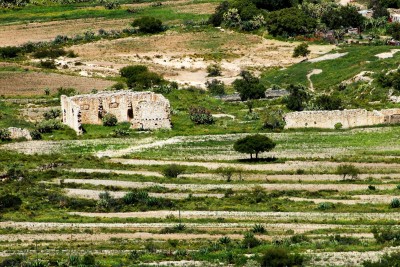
pixel 254 144
pixel 249 86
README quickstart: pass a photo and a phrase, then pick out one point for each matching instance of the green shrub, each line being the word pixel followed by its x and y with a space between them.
pixel 338 126
pixel 388 260
pixel 49 126
pixel 274 121
pixel 49 53
pixel 290 22
pixel 200 115
pixel 35 134
pixel 214 70
pixel 348 170
pixel 371 187
pixel 139 77
pixel 48 64
pixel 298 97
pixel 66 91
pixel 328 102
pixel 135 197
pixel 10 202
pixel 249 86
pixel 226 173
pixel 10 52
pixel 148 25
pixel 173 170
pixel 216 87
pixel 52 114
pixel 259 229
pixel 112 4
pixel 385 235
pixel 109 120
pixel 250 241
pixel 326 206
pixel 279 257
pixel 5 135
pixel 395 203
pixel 301 50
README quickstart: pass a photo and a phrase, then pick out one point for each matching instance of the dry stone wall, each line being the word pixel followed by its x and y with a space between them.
pixel 144 110
pixel 347 118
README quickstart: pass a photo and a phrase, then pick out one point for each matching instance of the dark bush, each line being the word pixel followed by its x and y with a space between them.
pixel 249 86
pixel 52 114
pixel 35 134
pixel 5 135
pixel 388 260
pixel 49 53
pixel 217 18
pixel 250 241
pixel 290 22
pixel 280 257
pixel 109 120
pixel 328 102
pixel 48 64
pixel 386 235
pixel 66 91
pixel 10 202
pixel 173 170
pixel 214 70
pixel 48 126
pixel 148 25
pixel 14 261
pixel 139 77
pixel 297 98
pixel 200 115
pixel 301 50
pixel 9 52
pixel 216 87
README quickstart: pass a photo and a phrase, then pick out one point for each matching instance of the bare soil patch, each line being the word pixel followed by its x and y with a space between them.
pixel 34 83
pixel 46 31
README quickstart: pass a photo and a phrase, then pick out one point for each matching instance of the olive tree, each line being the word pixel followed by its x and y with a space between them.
pixel 254 144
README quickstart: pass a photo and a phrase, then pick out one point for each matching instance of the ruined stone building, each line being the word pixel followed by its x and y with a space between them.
pixel 144 110
pixel 347 118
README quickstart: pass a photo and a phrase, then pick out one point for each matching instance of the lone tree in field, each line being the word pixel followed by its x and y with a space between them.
pixel 254 144
pixel 348 170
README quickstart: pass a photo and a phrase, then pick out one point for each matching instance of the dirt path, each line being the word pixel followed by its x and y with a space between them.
pixel 155 144
pixel 94 194
pixel 313 72
pixel 237 187
pixel 278 216
pixel 287 166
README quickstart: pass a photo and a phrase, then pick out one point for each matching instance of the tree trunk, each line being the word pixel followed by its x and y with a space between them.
pixel 256 155
pixel 251 156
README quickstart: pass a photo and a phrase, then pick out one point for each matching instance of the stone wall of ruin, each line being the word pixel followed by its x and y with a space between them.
pixel 144 110
pixel 348 118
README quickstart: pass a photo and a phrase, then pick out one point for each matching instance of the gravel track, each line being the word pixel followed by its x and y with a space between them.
pixel 144 173
pixel 238 187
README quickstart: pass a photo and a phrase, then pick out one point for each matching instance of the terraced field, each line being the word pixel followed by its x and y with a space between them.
pixel 289 197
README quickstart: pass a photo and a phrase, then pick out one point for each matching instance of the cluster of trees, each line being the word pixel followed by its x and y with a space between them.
pixel 139 77
pixel 285 18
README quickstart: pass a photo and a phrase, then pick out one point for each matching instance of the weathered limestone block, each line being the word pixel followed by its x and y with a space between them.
pixel 348 118
pixel 144 110
pixel 17 133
